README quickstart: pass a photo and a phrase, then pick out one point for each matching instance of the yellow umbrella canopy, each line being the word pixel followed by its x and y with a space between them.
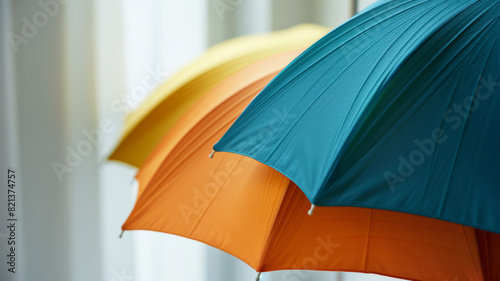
pixel 145 127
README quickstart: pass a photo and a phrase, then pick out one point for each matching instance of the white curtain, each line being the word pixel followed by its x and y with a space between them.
pixel 71 71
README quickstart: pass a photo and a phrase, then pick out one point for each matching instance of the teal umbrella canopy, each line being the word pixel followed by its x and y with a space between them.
pixel 397 109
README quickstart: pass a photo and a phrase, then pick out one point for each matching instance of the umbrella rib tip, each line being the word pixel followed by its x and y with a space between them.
pixel 310 212
pixel 258 276
pixel 211 154
pixel 121 234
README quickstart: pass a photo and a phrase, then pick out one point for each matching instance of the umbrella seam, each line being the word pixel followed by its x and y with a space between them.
pixel 365 257
pixel 269 234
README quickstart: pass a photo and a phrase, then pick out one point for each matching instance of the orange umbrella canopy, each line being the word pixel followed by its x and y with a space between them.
pixel 251 211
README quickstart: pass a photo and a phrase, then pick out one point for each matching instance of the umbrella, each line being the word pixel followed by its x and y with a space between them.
pixel 397 109
pixel 145 127
pixel 253 212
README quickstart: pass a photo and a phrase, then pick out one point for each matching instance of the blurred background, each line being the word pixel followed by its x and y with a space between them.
pixel 72 68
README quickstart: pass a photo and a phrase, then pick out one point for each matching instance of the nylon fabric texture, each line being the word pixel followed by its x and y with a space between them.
pixel 253 212
pixel 397 109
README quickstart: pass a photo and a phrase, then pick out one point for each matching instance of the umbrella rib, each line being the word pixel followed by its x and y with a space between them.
pixel 479 276
pixel 212 199
pixel 365 256
pixel 273 220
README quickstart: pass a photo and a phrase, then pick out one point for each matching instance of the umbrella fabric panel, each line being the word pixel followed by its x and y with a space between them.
pixel 489 249
pixel 430 142
pixel 354 105
pixel 251 211
pixel 146 126
pixel 206 205
pixel 325 90
pixel 264 225
pixel 369 240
